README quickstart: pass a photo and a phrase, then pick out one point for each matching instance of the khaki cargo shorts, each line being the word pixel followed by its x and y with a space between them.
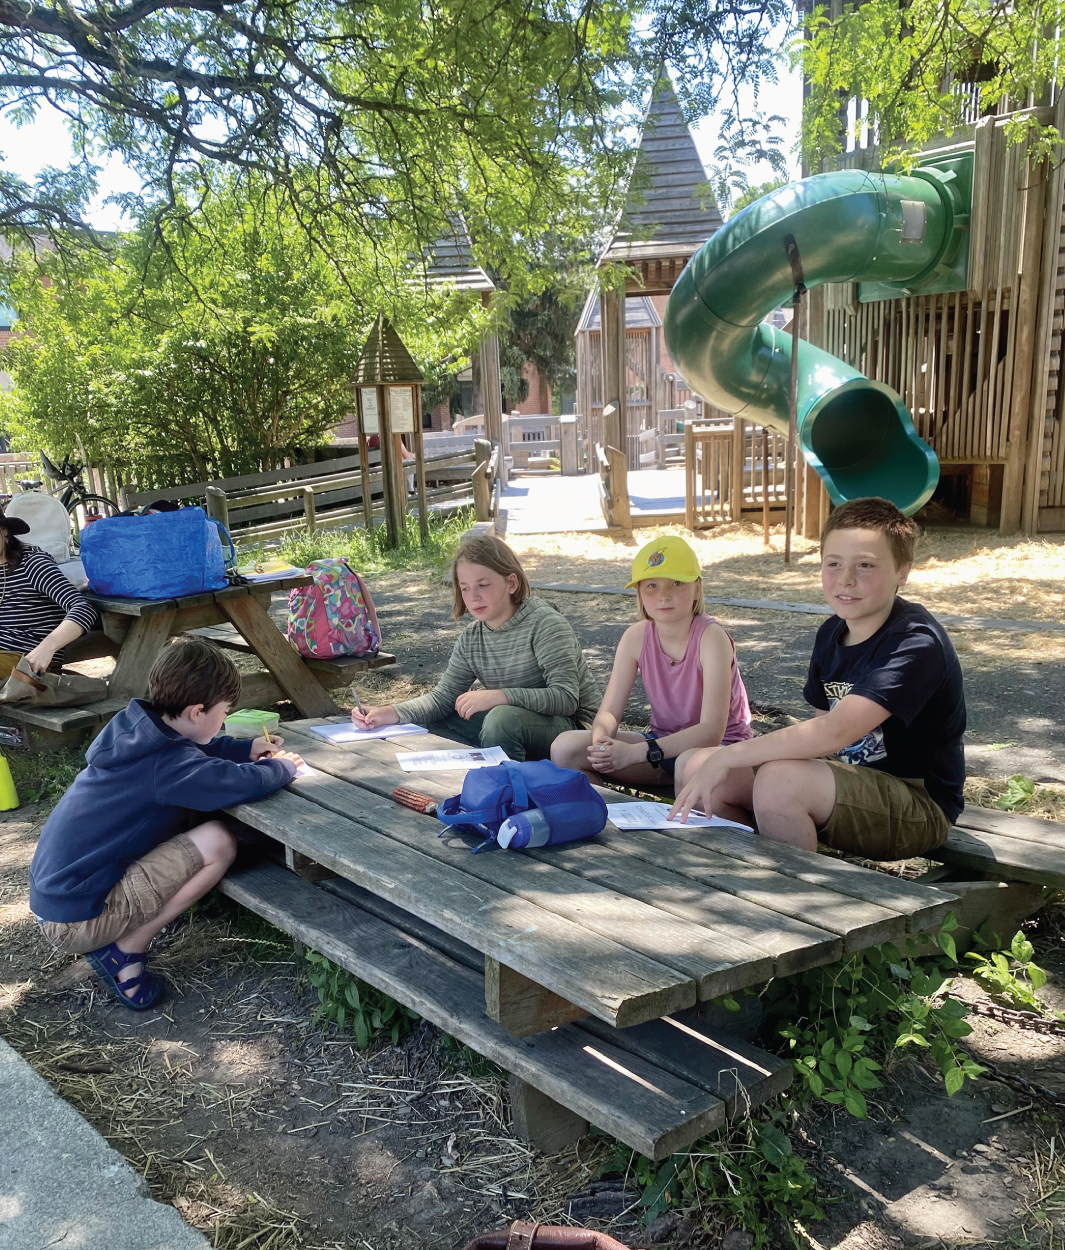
pixel 145 889
pixel 878 816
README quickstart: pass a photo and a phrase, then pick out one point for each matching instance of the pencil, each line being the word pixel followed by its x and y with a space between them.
pixel 358 701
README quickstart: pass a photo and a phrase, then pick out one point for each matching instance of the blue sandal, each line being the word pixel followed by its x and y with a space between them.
pixel 108 961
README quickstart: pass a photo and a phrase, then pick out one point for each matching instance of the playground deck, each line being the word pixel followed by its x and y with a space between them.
pixel 549 505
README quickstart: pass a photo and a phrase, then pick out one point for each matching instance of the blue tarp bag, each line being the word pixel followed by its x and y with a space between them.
pixel 491 795
pixel 159 556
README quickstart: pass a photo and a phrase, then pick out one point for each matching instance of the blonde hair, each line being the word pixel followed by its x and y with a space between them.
pixel 494 554
pixel 697 607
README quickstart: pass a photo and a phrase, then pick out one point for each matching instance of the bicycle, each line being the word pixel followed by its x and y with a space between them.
pixel 83 506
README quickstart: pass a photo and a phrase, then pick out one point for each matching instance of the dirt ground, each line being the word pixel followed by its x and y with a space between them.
pixel 271 1132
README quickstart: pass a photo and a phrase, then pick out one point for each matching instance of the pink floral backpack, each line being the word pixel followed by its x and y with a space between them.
pixel 334 615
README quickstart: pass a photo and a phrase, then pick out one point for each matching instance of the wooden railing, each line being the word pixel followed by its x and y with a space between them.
pixel 612 467
pixel 713 481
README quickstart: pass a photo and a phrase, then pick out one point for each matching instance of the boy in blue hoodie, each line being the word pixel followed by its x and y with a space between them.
pixel 117 859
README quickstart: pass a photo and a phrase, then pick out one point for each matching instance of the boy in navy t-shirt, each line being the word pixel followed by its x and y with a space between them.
pixel 879 770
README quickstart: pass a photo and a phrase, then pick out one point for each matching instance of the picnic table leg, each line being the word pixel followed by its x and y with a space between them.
pixel 145 639
pixel 273 648
pixel 522 1006
pixel 539 1120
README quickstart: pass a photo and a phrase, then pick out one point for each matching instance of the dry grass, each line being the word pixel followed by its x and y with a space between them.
pixel 963 572
pixel 1048 802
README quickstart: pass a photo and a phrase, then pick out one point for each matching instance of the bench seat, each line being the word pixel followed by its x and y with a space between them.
pixel 657 1087
pixel 1006 846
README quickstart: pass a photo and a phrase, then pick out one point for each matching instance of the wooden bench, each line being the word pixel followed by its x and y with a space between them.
pixel 657 1087
pixel 1007 846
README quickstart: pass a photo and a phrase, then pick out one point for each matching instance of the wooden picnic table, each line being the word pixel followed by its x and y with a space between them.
pixel 625 928
pixel 142 626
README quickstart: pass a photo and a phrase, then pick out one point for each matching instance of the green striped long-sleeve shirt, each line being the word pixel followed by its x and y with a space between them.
pixel 534 658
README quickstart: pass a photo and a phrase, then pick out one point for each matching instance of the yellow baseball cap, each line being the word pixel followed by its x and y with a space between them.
pixel 667 557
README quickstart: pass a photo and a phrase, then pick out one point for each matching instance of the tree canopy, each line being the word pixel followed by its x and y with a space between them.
pixel 927 66
pixel 510 109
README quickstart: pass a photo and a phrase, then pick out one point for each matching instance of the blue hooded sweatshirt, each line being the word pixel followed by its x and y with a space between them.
pixel 142 780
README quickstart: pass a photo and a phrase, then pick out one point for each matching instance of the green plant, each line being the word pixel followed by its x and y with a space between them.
pixel 43 777
pixel 351 1004
pixel 750 1173
pixel 867 1005
pixel 1017 984
pixel 1019 793
pixel 367 551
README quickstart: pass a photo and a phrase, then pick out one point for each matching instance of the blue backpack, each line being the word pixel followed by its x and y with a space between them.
pixel 491 795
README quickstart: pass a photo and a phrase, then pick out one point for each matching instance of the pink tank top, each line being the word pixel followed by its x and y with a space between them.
pixel 675 687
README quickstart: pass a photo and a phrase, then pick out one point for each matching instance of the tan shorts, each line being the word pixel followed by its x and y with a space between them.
pixel 878 816
pixel 145 889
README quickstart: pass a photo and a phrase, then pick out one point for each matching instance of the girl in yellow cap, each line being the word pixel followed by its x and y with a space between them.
pixel 688 665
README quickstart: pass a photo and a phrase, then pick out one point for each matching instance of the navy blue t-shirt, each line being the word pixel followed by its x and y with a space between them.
pixel 911 669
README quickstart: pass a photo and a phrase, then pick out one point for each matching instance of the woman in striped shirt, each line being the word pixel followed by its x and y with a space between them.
pixel 40 611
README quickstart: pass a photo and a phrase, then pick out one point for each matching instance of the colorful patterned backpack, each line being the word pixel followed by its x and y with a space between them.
pixel 334 615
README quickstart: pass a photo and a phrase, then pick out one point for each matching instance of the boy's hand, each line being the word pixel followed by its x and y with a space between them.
pixel 291 756
pixel 375 717
pixel 261 746
pixel 699 792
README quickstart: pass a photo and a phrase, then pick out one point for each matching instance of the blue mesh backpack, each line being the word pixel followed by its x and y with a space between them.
pixel 490 795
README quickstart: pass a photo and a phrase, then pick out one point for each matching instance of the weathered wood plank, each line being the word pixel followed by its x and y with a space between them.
pixel 610 981
pixel 859 924
pixel 794 946
pixel 1006 859
pixel 146 638
pixel 521 1006
pixel 641 1104
pixel 1013 825
pixel 542 1122
pixel 713 959
pixel 924 907
pixel 739 1073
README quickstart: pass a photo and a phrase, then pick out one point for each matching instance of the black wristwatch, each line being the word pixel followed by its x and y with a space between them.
pixel 655 754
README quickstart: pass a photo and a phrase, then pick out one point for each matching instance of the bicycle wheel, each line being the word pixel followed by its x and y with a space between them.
pixel 83 510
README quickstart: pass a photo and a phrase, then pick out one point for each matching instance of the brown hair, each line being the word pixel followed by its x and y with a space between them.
pixel 12 549
pixel 494 554
pixel 190 671
pixel 698 606
pixel 880 515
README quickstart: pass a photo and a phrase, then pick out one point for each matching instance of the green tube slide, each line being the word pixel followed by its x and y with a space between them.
pixel 847 226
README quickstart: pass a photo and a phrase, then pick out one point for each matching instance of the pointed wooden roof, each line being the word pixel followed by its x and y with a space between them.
pixel 640 313
pixel 451 261
pixel 384 359
pixel 668 213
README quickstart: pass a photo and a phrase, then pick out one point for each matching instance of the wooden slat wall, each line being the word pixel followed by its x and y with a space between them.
pixel 1052 458
pixel 949 356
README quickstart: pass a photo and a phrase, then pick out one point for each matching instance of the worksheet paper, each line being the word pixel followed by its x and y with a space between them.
pixel 656 816
pixel 304 770
pixel 435 761
pixel 352 733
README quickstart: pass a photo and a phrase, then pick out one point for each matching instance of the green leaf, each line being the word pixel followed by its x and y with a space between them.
pixel 775 1145
pixel 843 1062
pixel 817 1086
pixel 946 943
pixel 954 1080
pixel 856 1105
pixel 1019 792
pixel 949 924
pixel 1037 976
pixel 1021 949
pixel 729 1003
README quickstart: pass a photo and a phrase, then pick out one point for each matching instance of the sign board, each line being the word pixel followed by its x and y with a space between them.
pixel 401 409
pixel 371 421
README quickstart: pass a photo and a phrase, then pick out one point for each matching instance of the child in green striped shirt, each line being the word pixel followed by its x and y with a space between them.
pixel 535 682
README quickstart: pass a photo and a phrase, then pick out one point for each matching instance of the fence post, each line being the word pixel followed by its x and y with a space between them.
pixel 567 438
pixel 308 508
pixel 482 495
pixel 217 505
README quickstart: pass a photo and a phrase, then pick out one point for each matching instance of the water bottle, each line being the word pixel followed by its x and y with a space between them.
pixel 524 829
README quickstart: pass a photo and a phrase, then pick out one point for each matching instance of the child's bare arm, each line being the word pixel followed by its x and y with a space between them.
pixel 851 719
pixel 619 687
pixel 715 655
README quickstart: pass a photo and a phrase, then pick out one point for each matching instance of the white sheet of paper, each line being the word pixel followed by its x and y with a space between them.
pixel 371 422
pixel 656 816
pixel 401 409
pixel 304 770
pixel 352 733
pixel 466 757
